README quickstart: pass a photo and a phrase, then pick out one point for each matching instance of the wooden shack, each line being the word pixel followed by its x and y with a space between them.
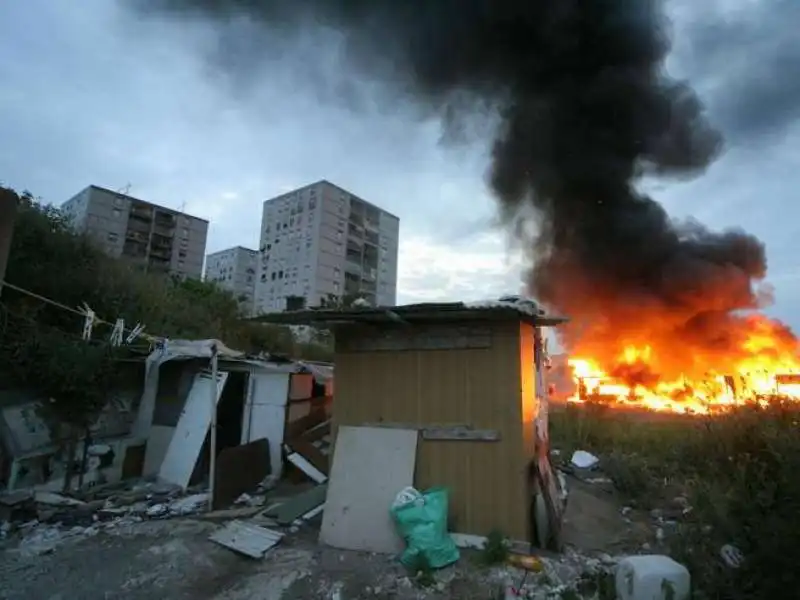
pixel 465 375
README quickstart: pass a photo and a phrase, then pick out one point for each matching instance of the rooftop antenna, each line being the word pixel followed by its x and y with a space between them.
pixel 124 189
pixel 182 207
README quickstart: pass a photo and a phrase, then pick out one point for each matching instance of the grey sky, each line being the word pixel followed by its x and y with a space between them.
pixel 90 95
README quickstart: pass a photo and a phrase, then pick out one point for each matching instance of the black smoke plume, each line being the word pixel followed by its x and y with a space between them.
pixel 586 110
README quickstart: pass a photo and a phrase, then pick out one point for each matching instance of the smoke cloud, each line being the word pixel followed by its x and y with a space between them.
pixel 586 109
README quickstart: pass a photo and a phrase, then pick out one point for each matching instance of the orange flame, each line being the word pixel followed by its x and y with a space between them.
pixel 763 363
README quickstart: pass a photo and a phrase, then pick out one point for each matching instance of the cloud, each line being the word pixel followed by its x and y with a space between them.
pixel 480 268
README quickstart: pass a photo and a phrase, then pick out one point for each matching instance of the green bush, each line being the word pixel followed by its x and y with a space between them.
pixel 740 473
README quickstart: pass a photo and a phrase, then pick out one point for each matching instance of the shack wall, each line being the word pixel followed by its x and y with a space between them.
pixel 447 374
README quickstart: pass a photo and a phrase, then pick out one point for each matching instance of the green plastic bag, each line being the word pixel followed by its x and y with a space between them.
pixel 423 525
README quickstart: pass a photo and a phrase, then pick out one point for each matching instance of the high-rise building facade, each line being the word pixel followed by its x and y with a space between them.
pixel 321 241
pixel 235 269
pixel 161 239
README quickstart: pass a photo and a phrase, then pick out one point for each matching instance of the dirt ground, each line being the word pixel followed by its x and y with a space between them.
pixel 173 558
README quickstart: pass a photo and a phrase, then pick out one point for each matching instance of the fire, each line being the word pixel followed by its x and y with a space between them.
pixel 764 364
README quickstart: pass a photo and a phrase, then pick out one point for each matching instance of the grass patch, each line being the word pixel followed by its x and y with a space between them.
pixel 422 572
pixel 740 472
pixel 495 551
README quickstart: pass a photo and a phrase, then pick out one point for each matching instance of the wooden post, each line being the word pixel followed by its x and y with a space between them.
pixel 212 440
pixel 547 487
pixel 8 211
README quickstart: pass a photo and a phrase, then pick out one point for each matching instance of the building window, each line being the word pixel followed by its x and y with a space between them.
pixel 113 237
pixel 118 202
pixel 117 213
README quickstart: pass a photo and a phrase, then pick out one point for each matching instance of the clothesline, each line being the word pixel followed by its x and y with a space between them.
pixel 86 313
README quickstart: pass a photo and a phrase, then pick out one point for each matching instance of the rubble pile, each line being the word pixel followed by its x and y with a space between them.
pixel 43 520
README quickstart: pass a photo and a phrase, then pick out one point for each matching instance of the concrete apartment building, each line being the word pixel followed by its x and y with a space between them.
pixel 320 240
pixel 235 269
pixel 159 238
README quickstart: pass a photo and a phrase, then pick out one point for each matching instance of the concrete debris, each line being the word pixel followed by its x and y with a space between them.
pixel 243 512
pixel 248 500
pixel 52 499
pixel 597 480
pixel 189 504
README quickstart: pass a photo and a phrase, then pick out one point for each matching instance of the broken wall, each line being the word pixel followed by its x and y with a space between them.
pixel 46 471
pixel 175 379
pixel 450 374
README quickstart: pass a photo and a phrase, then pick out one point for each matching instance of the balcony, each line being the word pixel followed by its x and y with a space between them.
pixel 164 230
pixel 160 254
pixel 371 237
pixel 141 212
pixel 354 231
pixel 166 220
pixel 139 225
pixel 158 266
pixel 134 249
pixel 352 266
pixel 158 239
pixel 356 219
pixel 137 236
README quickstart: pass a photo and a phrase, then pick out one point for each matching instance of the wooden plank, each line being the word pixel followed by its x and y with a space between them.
pixel 310 453
pixel 305 466
pixel 414 426
pixel 300 426
pixel 438 337
pixel 445 432
pixel 297 506
pixel 240 469
pixel 460 434
pixel 317 433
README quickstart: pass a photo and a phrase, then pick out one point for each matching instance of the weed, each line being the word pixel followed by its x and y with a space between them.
pixel 570 594
pixel 422 572
pixel 739 472
pixel 599 584
pixel 495 550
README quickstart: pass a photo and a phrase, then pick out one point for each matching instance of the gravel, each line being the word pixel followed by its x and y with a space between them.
pixel 140 559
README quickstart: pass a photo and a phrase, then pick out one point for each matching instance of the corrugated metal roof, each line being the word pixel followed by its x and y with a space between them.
pixel 246 538
pixel 491 310
pixel 322 372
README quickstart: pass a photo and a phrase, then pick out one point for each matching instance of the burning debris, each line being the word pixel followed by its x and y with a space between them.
pixel 662 310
